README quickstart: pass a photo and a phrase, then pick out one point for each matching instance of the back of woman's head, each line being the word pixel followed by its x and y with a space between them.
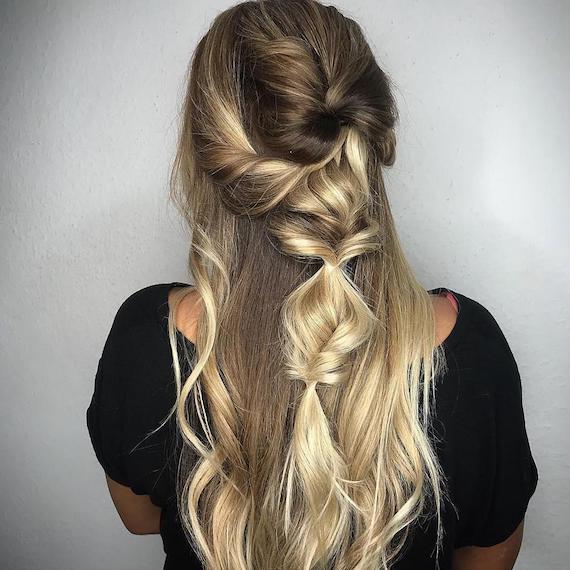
pixel 316 347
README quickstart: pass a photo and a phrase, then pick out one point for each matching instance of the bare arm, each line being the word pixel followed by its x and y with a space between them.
pixel 498 557
pixel 138 513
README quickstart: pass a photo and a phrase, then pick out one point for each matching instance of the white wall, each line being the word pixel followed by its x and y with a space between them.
pixel 89 95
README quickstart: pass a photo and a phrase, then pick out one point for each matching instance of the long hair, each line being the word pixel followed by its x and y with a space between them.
pixel 316 356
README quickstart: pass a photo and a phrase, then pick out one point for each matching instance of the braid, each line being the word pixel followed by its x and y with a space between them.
pixel 324 320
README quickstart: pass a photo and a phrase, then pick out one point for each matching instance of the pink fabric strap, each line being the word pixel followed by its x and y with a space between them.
pixel 452 298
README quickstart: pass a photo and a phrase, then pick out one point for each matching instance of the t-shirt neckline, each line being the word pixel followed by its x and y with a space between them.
pixel 450 340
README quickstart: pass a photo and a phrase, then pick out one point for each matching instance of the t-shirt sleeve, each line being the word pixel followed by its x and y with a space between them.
pixel 513 476
pixel 105 419
pixel 132 395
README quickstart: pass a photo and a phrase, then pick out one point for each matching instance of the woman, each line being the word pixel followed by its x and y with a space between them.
pixel 307 404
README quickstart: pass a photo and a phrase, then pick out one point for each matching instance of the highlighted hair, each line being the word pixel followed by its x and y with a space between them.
pixel 304 411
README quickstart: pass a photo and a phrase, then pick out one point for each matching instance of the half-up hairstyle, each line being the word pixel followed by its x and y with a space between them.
pixel 304 409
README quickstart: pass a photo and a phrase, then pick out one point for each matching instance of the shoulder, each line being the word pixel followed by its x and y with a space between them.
pixel 475 324
pixel 141 307
pixel 133 390
pixel 494 473
pixel 138 330
pixel 479 362
pixel 481 328
pixel 478 354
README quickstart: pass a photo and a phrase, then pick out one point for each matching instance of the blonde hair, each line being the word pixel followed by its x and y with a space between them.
pixel 316 354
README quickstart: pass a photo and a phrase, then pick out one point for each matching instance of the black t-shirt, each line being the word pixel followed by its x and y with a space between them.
pixel 479 422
